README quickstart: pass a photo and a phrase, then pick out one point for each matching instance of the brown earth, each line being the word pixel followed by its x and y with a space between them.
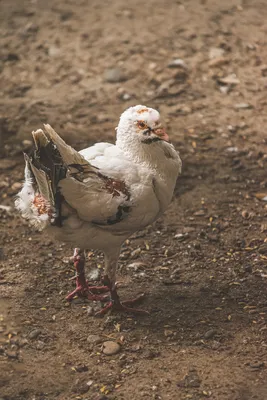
pixel 204 263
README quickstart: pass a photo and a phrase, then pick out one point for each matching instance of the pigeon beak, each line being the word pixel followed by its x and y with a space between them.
pixel 162 134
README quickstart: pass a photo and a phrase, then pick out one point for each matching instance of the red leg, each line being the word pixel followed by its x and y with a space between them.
pixel 116 304
pixel 82 287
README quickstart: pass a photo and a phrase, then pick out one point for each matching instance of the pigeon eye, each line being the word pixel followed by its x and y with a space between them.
pixel 141 124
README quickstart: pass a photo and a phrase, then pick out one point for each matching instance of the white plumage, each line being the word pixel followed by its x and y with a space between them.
pixel 97 198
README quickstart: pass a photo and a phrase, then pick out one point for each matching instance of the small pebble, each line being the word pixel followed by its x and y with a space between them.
pixel 180 237
pixel 230 80
pixel 135 253
pixel 232 149
pixel 27 144
pixel 23 342
pixel 40 345
pixel 12 354
pixel 263 248
pixel 248 268
pixel 126 96
pixel 54 51
pixel 79 387
pixel 114 75
pixel 191 380
pixel 109 348
pixel 224 89
pixel 256 364
pixel 5 208
pixel 216 52
pixel 177 63
pixel 94 274
pixel 209 334
pixel 90 310
pixel 243 106
pixel 217 62
pixel 94 339
pixel 136 266
pixel 6 163
pixel 34 334
pixel 245 214
pixel 81 368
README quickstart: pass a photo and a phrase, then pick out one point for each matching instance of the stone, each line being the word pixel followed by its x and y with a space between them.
pixel 191 380
pixel 16 186
pixel 135 253
pixel 126 97
pixel 23 342
pixel 248 269
pixel 229 80
pixel 217 62
pixel 12 354
pixel 256 364
pixel 177 63
pixel 94 339
pixel 66 15
pixel 5 208
pixel 34 334
pixel 94 274
pixel 54 51
pixel 80 387
pixel 40 345
pixel 90 310
pixel 81 368
pixel 27 144
pixel 7 163
pixel 263 248
pixel 3 184
pixel 216 52
pixel 209 334
pixel 110 348
pixel 114 75
pixel 243 106
pixel 137 265
pixel 181 236
pixel 11 57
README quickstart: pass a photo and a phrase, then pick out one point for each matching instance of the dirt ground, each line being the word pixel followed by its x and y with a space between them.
pixel 77 65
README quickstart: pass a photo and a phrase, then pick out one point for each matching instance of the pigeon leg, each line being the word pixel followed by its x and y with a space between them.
pixel 82 287
pixel 116 304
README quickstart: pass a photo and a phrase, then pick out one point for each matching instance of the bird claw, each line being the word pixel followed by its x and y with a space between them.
pixel 123 306
pixel 82 286
pixel 89 292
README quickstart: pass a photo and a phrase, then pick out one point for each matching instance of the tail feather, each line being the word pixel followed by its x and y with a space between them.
pixel 30 203
pixel 39 138
pixel 40 200
pixel 68 154
pixel 26 195
pixel 43 184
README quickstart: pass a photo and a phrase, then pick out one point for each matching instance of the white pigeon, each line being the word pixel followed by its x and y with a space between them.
pixel 98 197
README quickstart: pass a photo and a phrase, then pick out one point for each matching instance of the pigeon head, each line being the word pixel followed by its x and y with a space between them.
pixel 140 124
